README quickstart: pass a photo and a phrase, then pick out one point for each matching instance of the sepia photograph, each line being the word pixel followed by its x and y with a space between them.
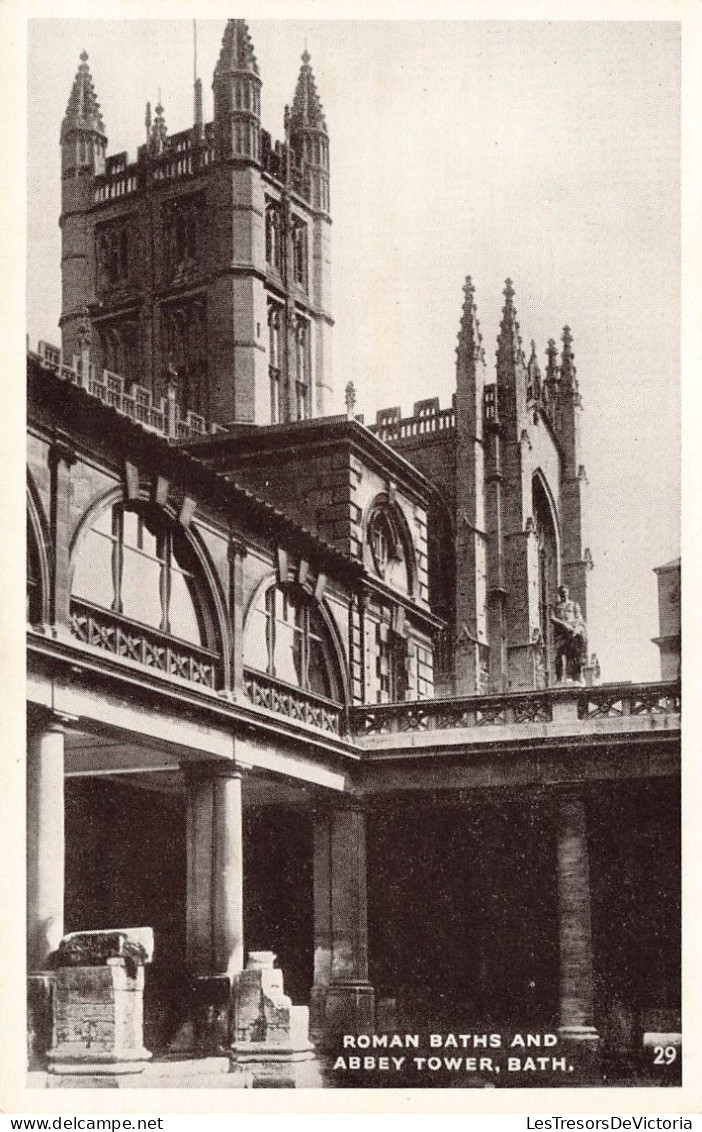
pixel 353 554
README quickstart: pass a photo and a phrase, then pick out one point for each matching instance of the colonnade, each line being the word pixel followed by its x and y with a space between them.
pixel 342 999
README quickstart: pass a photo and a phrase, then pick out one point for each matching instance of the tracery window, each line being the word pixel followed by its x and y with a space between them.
pixel 299 252
pixel 140 567
pixel 287 638
pixel 112 255
pixel 120 345
pixel 276 317
pixel 547 577
pixel 274 241
pixel 184 351
pixel 302 368
pixel 182 235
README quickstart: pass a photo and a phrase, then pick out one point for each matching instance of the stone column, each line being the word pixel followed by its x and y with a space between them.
pixel 214 898
pixel 342 997
pixel 45 840
pixel 575 933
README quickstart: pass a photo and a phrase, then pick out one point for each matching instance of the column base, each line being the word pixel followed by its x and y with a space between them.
pixel 582 1044
pixel 349 1008
pixel 578 1033
pixel 107 1065
pixel 39 1018
pixel 264 1052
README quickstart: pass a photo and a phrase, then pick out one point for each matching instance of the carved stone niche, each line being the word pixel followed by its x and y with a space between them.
pixel 98 1004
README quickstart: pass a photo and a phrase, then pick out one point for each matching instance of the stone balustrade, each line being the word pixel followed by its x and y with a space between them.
pixel 563 703
pixel 275 696
pixel 132 641
pixel 427 418
pixel 127 398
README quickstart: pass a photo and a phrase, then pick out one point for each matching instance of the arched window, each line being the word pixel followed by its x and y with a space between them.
pixel 287 638
pixel 34 595
pixel 387 550
pixel 141 567
pixel 547 541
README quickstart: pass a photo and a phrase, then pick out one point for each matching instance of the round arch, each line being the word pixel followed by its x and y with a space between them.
pixel 539 483
pixel 207 578
pixel 381 505
pixel 338 657
pixel 549 562
pixel 38 550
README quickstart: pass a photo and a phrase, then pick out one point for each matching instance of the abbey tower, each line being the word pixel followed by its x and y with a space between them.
pixel 205 263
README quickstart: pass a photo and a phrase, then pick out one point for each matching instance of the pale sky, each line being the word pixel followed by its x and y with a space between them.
pixel 547 152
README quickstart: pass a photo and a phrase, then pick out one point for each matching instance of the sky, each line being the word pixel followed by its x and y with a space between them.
pixel 546 152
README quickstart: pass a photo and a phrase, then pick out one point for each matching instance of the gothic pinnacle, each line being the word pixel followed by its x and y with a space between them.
pixel 509 343
pixel 549 387
pixel 568 371
pixel 470 340
pixel 83 109
pixel 534 372
pixel 307 111
pixel 159 133
pixel 236 53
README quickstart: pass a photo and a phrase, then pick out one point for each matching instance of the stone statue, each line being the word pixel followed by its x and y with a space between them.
pixel 570 633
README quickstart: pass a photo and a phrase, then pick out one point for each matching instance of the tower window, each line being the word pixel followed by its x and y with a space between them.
pixel 182 219
pixel 275 324
pixel 112 255
pixel 302 369
pixel 299 253
pixel 184 352
pixel 274 243
pixel 121 352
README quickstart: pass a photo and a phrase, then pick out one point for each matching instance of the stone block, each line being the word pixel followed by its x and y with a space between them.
pixel 211 1011
pixel 98 1017
pixel 39 992
pixel 265 1021
pixel 98 1002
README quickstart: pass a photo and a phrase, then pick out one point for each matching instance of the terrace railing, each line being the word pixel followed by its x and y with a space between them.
pixel 283 699
pixel 606 701
pixel 129 640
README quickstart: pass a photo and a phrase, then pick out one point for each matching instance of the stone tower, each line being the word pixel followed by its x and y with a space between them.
pixel 205 263
pixel 506 463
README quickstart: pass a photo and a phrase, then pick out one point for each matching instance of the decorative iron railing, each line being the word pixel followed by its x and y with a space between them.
pixel 607 701
pixel 283 699
pixel 124 638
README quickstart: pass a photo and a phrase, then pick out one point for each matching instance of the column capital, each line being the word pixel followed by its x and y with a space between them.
pixel 41 718
pixel 210 769
pixel 343 804
pixel 237 548
pixel 61 450
pixel 569 795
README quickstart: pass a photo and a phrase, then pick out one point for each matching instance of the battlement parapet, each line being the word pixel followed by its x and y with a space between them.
pixel 427 418
pixel 184 155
